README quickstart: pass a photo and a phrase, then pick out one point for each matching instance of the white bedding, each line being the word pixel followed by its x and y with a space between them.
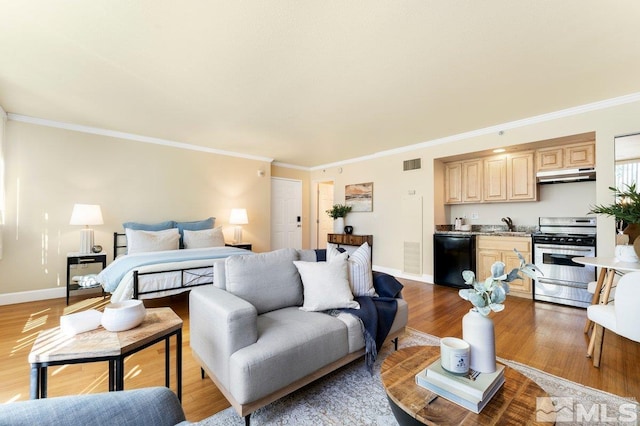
pixel 117 278
pixel 166 280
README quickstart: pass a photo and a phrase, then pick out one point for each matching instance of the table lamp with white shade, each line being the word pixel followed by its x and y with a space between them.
pixel 238 217
pixel 86 215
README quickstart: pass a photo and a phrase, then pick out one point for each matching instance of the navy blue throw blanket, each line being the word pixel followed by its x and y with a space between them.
pixel 377 315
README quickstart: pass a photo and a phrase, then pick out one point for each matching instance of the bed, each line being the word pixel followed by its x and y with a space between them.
pixel 146 266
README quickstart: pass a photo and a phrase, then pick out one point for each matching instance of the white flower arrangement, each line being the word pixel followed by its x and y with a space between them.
pixel 489 295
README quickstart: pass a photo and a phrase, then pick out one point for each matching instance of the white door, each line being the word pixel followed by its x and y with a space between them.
pixel 286 213
pixel 325 223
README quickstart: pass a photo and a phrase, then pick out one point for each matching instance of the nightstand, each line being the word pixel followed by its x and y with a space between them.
pixel 246 246
pixel 81 265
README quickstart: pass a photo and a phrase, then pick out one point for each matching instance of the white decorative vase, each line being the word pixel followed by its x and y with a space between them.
pixel 626 253
pixel 123 316
pixel 478 331
pixel 338 225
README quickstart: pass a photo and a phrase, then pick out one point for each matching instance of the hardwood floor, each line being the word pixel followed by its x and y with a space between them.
pixel 544 336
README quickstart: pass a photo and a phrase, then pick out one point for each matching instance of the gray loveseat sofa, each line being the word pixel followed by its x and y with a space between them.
pixel 156 406
pixel 250 336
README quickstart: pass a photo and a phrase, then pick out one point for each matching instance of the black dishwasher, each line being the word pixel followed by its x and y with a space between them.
pixel 452 254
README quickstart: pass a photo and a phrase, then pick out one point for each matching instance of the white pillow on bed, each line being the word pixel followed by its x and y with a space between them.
pixel 145 241
pixel 205 238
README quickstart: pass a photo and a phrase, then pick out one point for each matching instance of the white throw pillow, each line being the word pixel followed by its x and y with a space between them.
pixel 360 275
pixel 146 241
pixel 326 285
pixel 205 238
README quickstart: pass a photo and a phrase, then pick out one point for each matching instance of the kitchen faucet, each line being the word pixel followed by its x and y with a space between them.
pixel 509 223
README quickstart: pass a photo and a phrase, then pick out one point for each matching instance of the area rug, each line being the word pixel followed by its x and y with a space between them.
pixel 351 396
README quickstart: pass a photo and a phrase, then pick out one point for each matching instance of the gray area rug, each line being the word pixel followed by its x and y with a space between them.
pixel 351 396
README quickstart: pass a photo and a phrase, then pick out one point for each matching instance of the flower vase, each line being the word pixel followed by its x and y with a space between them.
pixel 478 331
pixel 338 225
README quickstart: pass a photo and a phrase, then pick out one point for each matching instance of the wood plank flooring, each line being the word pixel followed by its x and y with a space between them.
pixel 545 336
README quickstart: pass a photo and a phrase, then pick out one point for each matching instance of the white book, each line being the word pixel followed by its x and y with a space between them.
pixel 476 384
pixel 455 395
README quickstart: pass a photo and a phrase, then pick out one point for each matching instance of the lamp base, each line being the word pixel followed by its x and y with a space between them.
pixel 237 234
pixel 86 241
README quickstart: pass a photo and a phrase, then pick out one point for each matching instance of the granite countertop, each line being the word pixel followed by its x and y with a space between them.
pixel 496 230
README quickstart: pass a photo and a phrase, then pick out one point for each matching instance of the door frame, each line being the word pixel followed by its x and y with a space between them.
pixel 315 213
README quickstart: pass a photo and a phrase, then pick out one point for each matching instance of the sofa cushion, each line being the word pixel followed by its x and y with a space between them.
pixel 326 285
pixel 268 280
pixel 291 344
pixel 360 277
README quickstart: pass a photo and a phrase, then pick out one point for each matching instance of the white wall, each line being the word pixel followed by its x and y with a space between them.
pixel 48 170
pixel 391 183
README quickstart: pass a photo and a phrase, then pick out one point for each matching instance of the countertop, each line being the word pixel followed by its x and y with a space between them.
pixel 490 233
pixel 490 230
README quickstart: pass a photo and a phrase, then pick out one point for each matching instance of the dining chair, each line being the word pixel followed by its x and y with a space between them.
pixel 621 317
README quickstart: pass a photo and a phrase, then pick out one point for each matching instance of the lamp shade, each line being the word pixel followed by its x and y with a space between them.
pixel 86 214
pixel 238 217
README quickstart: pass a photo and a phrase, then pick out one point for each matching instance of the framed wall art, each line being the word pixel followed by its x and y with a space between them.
pixel 359 196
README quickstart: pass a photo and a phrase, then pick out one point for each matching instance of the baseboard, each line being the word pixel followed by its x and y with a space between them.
pixel 32 295
pixel 399 274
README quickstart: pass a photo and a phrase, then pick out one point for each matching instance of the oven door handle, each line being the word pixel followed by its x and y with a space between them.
pixel 568 249
pixel 563 283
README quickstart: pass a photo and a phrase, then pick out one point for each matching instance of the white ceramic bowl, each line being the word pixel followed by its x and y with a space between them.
pixel 123 315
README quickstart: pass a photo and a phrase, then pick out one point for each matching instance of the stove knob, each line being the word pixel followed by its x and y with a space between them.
pixel 570 240
pixel 578 240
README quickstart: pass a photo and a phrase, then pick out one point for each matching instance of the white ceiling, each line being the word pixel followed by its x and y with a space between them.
pixel 312 82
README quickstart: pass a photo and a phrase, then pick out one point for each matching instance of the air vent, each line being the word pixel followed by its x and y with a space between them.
pixel 414 164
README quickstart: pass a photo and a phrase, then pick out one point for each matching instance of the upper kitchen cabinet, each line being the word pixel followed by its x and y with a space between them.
pixel 500 178
pixel 463 182
pixel 453 182
pixel 510 177
pixel 572 156
pixel 521 183
pixel 495 178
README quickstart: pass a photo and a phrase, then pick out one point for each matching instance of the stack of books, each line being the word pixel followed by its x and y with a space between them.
pixel 473 391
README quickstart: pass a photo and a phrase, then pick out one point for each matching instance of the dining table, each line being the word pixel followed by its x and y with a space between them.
pixel 609 266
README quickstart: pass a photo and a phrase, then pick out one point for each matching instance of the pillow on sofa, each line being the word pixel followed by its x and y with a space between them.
pixel 146 241
pixel 268 281
pixel 326 285
pixel 360 276
pixel 205 238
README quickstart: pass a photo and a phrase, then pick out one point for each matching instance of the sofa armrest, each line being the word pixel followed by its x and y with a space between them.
pixel 220 323
pixel 149 406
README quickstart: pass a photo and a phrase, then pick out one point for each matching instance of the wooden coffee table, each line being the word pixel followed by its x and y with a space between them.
pixel 515 403
pixel 53 347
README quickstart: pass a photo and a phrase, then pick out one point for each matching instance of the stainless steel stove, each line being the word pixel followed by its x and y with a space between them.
pixel 558 241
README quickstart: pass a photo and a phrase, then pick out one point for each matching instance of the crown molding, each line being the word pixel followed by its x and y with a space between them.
pixel 594 106
pixel 129 136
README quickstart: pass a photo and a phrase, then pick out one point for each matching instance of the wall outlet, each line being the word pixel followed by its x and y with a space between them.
pixel 474 215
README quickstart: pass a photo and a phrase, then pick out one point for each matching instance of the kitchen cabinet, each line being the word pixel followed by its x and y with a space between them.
pixel 510 177
pixel 571 156
pixel 472 181
pixel 453 183
pixel 495 178
pixel 491 249
pixel 463 182
pixel 521 180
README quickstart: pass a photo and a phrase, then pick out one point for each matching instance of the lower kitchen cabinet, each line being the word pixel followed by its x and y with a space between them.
pixel 491 249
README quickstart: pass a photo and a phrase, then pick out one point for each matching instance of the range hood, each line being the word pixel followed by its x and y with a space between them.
pixel 566 175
